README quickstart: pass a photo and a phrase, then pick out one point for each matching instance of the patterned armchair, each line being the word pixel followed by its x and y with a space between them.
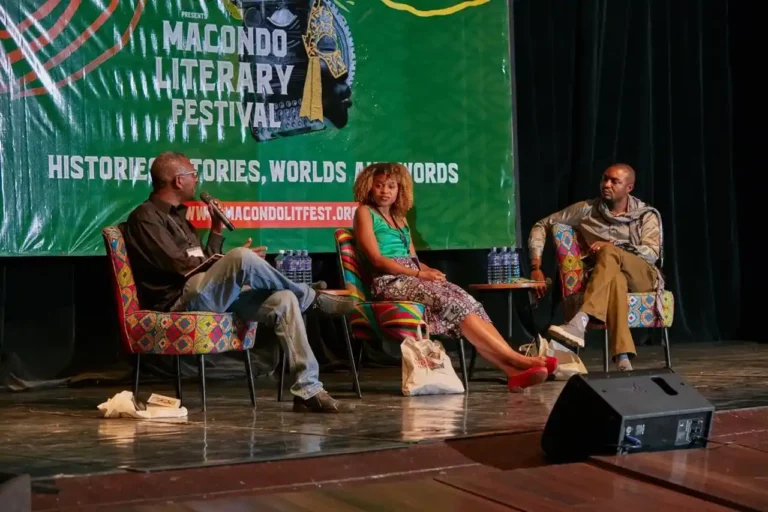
pixel 574 275
pixel 390 322
pixel 171 334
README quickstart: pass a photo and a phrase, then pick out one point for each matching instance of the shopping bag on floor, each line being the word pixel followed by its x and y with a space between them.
pixel 427 369
pixel 568 362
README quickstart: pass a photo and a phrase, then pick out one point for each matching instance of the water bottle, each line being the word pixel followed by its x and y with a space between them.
pixel 290 265
pixel 307 268
pixel 506 265
pixel 495 266
pixel 296 266
pixel 489 265
pixel 280 261
pixel 515 257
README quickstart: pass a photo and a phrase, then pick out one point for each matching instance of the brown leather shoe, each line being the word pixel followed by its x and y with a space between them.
pixel 321 402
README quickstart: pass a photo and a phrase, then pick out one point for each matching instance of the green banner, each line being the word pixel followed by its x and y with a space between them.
pixel 279 104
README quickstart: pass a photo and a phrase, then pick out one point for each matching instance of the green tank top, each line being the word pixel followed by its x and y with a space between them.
pixel 390 239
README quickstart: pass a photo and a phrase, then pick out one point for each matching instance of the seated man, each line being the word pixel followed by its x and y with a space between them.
pixel 624 238
pixel 164 247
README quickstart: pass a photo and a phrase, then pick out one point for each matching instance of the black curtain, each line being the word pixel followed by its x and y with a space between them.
pixel 648 83
pixel 749 113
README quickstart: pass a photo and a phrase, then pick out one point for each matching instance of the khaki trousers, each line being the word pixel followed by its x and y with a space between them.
pixel 615 274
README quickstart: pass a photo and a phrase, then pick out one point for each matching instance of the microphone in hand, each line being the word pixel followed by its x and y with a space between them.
pixel 207 199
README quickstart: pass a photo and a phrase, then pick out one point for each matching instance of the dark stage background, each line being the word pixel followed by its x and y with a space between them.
pixel 667 87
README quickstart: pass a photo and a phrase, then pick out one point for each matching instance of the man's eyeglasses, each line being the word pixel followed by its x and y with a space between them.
pixel 188 173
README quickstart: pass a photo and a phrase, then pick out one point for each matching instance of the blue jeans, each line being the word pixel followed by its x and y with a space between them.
pixel 244 284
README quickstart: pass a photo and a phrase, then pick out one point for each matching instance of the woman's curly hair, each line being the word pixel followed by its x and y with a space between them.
pixel 396 171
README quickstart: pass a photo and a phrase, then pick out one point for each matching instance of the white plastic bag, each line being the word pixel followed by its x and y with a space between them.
pixel 427 369
pixel 568 362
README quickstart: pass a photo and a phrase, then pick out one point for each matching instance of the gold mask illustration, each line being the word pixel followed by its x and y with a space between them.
pixel 320 42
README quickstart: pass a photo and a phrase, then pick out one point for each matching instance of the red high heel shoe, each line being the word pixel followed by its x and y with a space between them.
pixel 551 365
pixel 526 379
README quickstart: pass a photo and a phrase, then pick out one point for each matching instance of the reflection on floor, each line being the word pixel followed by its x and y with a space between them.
pixel 58 432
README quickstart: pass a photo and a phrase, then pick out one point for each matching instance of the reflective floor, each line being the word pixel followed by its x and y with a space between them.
pixel 58 432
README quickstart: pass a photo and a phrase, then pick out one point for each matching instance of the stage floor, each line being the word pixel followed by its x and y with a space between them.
pixel 56 434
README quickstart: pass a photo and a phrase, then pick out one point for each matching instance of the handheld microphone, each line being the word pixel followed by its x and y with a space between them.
pixel 207 199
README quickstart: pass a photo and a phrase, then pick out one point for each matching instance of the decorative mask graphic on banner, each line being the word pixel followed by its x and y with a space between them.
pixel 319 50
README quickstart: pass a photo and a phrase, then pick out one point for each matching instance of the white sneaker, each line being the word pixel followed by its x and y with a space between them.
pixel 572 332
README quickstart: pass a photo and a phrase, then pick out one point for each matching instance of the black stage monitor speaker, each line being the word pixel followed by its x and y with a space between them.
pixel 15 493
pixel 626 412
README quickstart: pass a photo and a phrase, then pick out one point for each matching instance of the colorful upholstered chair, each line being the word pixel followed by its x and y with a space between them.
pixel 171 334
pixel 389 322
pixel 573 274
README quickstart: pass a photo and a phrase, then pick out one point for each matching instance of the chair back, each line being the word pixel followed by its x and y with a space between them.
pixel 123 284
pixel 569 251
pixel 354 273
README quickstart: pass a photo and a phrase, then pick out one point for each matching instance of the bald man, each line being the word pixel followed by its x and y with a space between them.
pixel 174 272
pixel 624 239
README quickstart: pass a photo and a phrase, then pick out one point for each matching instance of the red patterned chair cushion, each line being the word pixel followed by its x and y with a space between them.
pixel 155 332
pixel 574 275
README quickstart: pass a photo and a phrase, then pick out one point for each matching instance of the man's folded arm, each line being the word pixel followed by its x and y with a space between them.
pixel 570 216
pixel 650 238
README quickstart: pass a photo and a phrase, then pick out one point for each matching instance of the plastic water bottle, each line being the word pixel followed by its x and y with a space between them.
pixel 494 266
pixel 515 264
pixel 499 267
pixel 506 265
pixel 296 266
pixel 307 260
pixel 290 265
pixel 489 265
pixel 280 261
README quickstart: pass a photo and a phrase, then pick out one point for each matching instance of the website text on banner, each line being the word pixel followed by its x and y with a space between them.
pixel 279 104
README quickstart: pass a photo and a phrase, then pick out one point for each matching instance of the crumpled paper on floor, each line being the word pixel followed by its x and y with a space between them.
pixel 123 405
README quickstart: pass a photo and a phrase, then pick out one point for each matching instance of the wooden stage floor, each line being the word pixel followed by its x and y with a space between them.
pixel 427 453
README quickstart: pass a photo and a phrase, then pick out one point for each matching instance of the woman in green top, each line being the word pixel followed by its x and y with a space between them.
pixel 384 192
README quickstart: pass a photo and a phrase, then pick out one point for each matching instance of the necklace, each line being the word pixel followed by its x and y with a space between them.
pixel 403 237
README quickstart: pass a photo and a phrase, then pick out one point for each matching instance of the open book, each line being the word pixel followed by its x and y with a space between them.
pixel 204 265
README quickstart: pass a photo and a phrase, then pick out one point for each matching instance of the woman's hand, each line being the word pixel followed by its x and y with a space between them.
pixel 431 275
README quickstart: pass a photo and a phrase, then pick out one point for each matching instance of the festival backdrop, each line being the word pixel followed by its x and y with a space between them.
pixel 278 103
